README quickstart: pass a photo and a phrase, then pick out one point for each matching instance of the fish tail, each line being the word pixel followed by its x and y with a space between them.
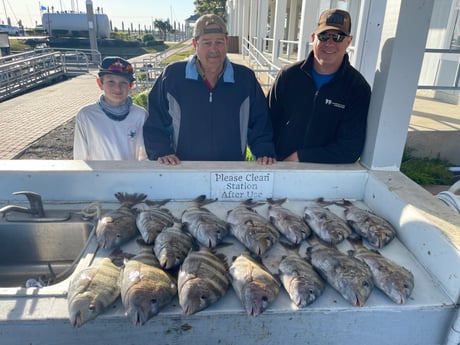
pixel 130 199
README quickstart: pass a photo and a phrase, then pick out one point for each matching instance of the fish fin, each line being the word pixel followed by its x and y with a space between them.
pixel 250 203
pixel 272 201
pixel 222 258
pixel 142 244
pixel 118 256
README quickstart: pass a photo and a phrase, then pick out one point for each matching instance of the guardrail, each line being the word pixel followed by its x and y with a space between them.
pixel 21 74
pixel 265 70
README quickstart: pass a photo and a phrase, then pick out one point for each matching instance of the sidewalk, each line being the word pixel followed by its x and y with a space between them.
pixel 434 126
pixel 28 117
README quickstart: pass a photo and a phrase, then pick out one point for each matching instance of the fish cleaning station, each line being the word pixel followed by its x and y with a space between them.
pixel 50 233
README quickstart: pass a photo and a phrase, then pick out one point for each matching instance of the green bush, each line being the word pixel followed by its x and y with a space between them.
pixel 148 38
pixel 141 99
pixel 426 171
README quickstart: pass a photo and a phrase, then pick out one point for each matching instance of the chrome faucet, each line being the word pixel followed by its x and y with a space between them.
pixel 35 201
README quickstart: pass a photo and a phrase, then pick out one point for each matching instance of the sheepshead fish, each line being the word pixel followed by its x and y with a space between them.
pixel 202 280
pixel 205 226
pixel 145 287
pixel 298 276
pixel 252 229
pixel 348 276
pixel 376 230
pixel 172 246
pixel 253 284
pixel 119 226
pixel 292 226
pixel 394 280
pixel 93 289
pixel 326 224
pixel 151 219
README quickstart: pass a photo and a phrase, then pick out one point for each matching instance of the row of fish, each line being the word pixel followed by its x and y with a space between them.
pixel 256 265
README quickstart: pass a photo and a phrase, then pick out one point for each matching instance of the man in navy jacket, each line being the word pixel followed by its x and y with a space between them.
pixel 319 106
pixel 208 108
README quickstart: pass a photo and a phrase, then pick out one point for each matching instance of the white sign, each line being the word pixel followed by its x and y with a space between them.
pixel 241 185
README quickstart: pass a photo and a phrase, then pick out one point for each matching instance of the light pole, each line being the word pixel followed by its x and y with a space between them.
pixel 91 30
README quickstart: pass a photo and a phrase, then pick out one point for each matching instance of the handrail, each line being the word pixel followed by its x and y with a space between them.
pixel 264 69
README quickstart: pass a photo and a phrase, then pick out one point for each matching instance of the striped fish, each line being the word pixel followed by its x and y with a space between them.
pixel 289 224
pixel 328 226
pixel 255 287
pixel 93 289
pixel 172 246
pixel 145 287
pixel 376 230
pixel 298 276
pixel 205 226
pixel 151 219
pixel 394 280
pixel 202 280
pixel 119 226
pixel 250 228
pixel 347 275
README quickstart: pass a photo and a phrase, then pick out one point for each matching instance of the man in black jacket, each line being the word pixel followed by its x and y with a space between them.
pixel 319 106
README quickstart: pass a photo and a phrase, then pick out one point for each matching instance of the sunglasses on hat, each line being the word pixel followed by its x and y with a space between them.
pixel 324 36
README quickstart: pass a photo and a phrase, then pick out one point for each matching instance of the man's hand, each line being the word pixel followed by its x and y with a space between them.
pixel 266 160
pixel 169 160
pixel 293 157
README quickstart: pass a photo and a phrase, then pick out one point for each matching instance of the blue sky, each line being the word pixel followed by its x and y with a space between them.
pixel 142 12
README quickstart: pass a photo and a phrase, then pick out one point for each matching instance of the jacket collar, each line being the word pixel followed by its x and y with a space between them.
pixel 191 71
pixel 307 64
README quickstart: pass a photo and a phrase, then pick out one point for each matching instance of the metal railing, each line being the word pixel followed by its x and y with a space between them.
pixel 150 68
pixel 265 70
pixel 79 61
pixel 21 74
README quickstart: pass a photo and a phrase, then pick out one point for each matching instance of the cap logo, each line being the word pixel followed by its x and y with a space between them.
pixel 335 18
pixel 118 67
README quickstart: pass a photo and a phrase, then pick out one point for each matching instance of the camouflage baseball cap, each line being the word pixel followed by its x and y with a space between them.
pixel 334 19
pixel 201 25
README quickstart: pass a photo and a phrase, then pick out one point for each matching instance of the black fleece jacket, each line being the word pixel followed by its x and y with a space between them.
pixel 326 125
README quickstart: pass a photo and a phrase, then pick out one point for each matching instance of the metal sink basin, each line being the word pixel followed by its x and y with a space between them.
pixel 46 253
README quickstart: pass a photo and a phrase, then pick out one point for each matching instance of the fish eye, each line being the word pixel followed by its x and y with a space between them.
pixel 92 307
pixel 153 301
pixel 203 297
pixel 366 284
pixel 264 298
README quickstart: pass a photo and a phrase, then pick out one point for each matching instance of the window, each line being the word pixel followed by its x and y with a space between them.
pixel 455 42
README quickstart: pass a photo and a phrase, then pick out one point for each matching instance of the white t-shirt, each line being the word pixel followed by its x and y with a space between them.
pixel 97 137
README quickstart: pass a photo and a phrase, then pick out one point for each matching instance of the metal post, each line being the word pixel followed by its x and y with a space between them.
pixel 92 31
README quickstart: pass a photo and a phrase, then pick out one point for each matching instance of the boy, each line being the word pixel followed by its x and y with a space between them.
pixel 111 129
